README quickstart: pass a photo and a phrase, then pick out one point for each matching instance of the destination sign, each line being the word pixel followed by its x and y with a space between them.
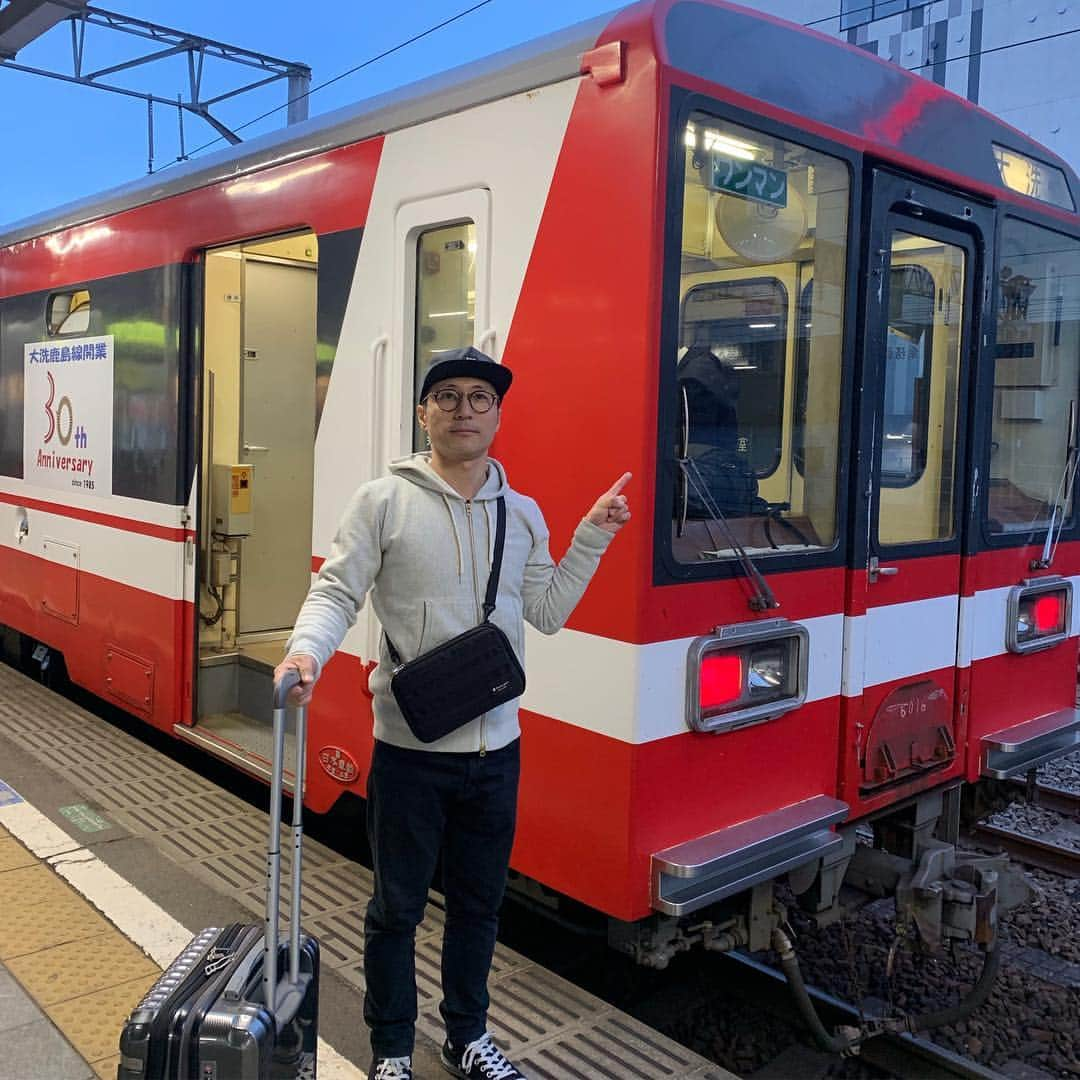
pixel 750 180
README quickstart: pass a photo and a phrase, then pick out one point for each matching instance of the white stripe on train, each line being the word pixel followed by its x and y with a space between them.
pixel 151 563
pixel 634 693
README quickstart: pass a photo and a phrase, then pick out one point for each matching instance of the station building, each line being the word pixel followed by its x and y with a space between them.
pixel 1016 58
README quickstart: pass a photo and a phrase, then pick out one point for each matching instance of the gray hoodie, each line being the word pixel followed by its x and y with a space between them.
pixel 425 551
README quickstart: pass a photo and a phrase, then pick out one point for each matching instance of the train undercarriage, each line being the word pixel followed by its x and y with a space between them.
pixel 943 895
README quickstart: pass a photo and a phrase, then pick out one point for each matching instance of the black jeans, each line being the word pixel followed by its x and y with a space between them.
pixel 421 802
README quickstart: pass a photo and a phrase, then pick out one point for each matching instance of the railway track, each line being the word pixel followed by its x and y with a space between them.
pixel 897 1055
pixel 1059 799
pixel 1039 851
pixel 1031 850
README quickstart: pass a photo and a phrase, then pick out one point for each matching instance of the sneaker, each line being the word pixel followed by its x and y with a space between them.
pixel 480 1060
pixel 399 1068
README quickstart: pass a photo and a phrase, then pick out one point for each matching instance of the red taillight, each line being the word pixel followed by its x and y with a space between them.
pixel 745 674
pixel 1047 613
pixel 1039 614
pixel 721 680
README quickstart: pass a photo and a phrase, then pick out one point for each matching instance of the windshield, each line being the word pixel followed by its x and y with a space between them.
pixel 1036 375
pixel 762 274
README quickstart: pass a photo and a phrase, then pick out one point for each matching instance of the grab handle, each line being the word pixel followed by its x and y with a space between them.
pixel 485 337
pixel 379 349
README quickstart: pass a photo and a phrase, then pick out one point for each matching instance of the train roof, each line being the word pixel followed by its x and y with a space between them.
pixel 875 104
pixel 536 63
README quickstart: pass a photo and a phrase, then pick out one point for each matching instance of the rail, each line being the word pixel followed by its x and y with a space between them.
pixel 1031 850
pixel 898 1055
pixel 1037 851
pixel 1059 799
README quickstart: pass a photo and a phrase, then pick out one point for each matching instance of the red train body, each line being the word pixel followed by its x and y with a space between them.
pixel 905 445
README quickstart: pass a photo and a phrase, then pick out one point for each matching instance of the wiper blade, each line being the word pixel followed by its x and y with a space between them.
pixel 763 599
pixel 1063 495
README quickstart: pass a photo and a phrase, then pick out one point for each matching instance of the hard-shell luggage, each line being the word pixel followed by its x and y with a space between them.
pixel 220 1011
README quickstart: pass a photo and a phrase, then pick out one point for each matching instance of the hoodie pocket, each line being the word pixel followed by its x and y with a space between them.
pixel 423 629
pixel 509 619
pixel 444 619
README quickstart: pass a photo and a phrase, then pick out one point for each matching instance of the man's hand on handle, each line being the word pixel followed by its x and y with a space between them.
pixel 611 511
pixel 306 667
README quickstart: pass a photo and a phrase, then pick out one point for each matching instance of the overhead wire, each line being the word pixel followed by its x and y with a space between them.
pixel 997 48
pixel 483 3
pixel 871 5
pixel 337 78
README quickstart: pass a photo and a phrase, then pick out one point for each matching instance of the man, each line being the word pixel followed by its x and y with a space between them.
pixel 421 540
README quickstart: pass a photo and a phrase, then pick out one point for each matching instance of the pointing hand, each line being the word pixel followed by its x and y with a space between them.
pixel 611 511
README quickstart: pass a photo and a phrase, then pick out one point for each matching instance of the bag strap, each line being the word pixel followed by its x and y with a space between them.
pixel 496 562
pixel 493 577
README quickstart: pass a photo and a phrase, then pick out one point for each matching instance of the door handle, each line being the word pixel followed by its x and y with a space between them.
pixel 876 570
pixel 247 448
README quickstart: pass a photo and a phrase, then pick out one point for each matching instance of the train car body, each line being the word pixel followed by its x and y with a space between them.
pixel 827 313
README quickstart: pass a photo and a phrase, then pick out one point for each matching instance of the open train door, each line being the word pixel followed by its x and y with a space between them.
pixel 903 685
pixel 191 413
pixel 252 502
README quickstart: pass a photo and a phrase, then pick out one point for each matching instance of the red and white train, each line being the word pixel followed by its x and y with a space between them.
pixel 826 312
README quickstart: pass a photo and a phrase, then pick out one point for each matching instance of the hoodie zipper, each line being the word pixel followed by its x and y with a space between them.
pixel 479 609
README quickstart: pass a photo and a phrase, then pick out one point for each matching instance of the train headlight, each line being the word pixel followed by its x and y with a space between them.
pixel 1040 613
pixel 768 670
pixel 746 674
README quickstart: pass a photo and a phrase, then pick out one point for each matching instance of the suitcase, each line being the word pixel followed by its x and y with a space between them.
pixel 220 1011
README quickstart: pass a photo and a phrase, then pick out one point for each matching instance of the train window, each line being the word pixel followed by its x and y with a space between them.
pixel 445 297
pixel 907 375
pixel 921 376
pixel 754 458
pixel 68 312
pixel 1036 376
pixel 743 326
pixel 11 384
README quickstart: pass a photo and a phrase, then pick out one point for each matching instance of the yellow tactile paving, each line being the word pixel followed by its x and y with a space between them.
pixel 13 854
pixel 41 910
pixel 78 967
pixel 92 1023
pixel 81 967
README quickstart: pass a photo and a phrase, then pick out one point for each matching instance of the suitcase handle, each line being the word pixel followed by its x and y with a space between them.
pixel 282 687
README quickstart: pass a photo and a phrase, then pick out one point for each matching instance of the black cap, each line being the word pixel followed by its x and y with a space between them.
pixel 455 363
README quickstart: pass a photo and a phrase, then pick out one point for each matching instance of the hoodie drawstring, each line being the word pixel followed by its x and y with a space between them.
pixel 490 533
pixel 457 537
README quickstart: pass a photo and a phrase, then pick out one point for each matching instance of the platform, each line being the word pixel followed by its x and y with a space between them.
pixel 134 853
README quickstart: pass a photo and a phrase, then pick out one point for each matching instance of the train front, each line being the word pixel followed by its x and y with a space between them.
pixel 859 619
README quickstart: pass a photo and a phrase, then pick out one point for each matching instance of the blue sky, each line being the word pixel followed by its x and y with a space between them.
pixel 63 141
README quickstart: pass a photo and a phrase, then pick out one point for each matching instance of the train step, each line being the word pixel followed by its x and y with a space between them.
pixel 235 722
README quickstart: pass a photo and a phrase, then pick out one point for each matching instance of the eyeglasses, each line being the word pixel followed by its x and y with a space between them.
pixel 449 400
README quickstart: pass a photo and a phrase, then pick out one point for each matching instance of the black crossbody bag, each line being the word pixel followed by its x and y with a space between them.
pixel 462 678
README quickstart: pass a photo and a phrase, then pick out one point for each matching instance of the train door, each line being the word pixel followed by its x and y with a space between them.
pixel 277 431
pixel 903 720
pixel 441 300
pixel 255 509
